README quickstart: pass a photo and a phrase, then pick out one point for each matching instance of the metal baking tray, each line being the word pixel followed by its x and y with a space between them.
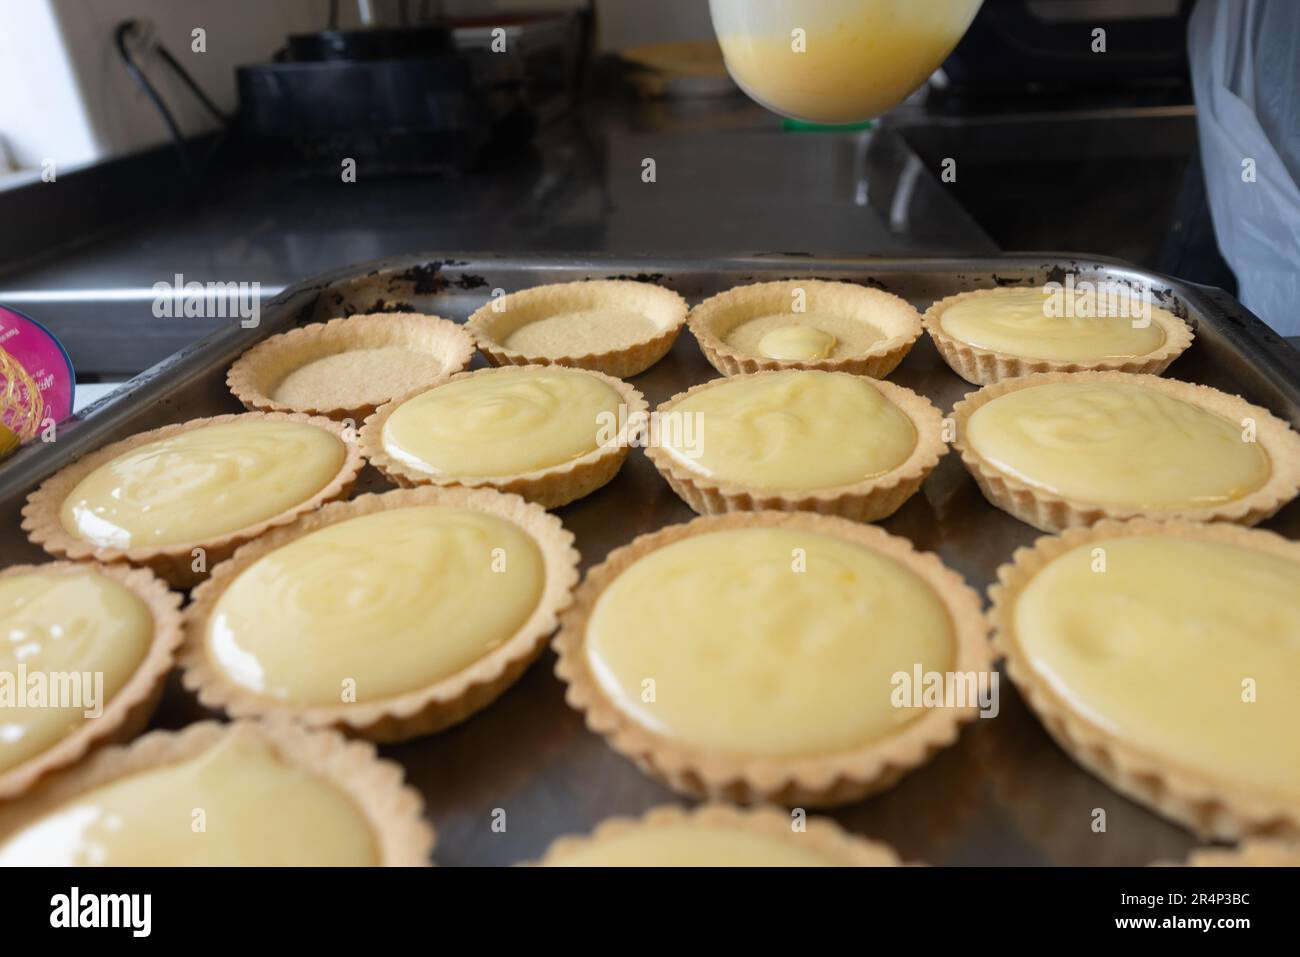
pixel 1003 794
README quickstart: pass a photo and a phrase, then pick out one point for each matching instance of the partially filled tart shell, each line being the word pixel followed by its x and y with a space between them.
pixel 424 710
pixel 888 325
pixel 822 839
pixel 393 811
pixel 324 369
pixel 1209 803
pixel 176 563
pixel 868 500
pixel 620 327
pixel 1051 512
pixel 826 778
pixel 981 366
pixel 130 708
pixel 550 486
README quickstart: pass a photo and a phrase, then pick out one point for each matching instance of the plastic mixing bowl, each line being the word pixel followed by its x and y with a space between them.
pixel 836 61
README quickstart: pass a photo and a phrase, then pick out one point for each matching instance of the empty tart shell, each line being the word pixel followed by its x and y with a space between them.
pixel 866 501
pixel 175 564
pixel 549 487
pixel 895 325
pixel 632 326
pixel 985 366
pixel 1050 512
pixel 820 836
pixel 127 712
pixel 1220 806
pixel 437 348
pixel 826 779
pixel 394 811
pixel 425 710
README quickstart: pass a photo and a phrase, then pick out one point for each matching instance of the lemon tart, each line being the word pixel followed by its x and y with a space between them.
pixel 243 794
pixel 805 324
pixel 84 651
pixel 718 835
pixel 548 433
pixel 795 440
pixel 1164 657
pixel 768 656
pixel 615 326
pixel 390 616
pixel 1063 449
pixel 347 368
pixel 988 335
pixel 181 498
pixel 1247 854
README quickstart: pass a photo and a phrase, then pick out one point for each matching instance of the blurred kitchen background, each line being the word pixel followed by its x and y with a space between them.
pixel 219 155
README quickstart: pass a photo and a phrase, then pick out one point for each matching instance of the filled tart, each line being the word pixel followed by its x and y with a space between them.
pixel 774 656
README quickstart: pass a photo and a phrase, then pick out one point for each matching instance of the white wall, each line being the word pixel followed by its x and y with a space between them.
pixel 39 116
pixel 625 23
pixel 619 23
pixel 65 96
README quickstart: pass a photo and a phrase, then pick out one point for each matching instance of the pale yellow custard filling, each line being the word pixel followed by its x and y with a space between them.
pixel 69 641
pixel 693 845
pixel 806 336
pixel 1019 321
pixel 375 606
pixel 600 329
pixel 506 422
pixel 795 430
pixel 1159 646
pixel 235 804
pixel 796 342
pixel 1117 444
pixel 837 62
pixel 765 641
pixel 357 376
pixel 202 483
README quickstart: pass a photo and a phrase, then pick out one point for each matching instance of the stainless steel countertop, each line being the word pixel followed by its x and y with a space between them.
pixel 728 181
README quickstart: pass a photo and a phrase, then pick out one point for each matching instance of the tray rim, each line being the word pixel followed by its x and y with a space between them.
pixel 194 378
pixel 100 422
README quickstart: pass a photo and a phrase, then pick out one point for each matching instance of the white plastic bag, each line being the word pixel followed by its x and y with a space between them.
pixel 1245 57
